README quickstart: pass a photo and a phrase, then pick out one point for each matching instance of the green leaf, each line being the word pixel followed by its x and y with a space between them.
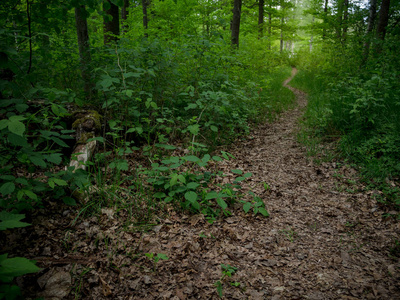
pixel 211 195
pixel 237 171
pixel 222 203
pixel 69 201
pixel 7 188
pixel 16 127
pixel 191 158
pixel 218 284
pixel 59 142
pixel 30 194
pixel 247 175
pixel 216 158
pixel 194 129
pixel 167 147
pixel 191 196
pixel 181 178
pixel 263 211
pixel 38 161
pixel 4 123
pixel 60 182
pixel 54 158
pixel 162 256
pixel 9 220
pixel 17 140
pixel 206 158
pixel 192 185
pixel 214 128
pixel 247 207
pixel 159 195
pixel 14 267
pixel 239 179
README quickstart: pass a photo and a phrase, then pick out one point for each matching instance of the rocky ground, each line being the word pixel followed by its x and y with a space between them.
pixel 325 238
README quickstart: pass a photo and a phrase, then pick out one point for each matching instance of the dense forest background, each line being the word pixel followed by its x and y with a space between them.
pixel 139 81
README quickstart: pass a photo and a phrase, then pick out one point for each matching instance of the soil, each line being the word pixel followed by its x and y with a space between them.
pixel 325 238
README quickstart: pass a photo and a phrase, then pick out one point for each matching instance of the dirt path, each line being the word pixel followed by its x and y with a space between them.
pixel 323 240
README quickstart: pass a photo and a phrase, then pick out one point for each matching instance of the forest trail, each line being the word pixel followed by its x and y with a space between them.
pixel 324 239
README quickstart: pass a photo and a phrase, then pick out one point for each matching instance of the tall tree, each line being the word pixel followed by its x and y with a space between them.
pixel 383 19
pixel 260 18
pixel 83 43
pixel 235 28
pixel 111 22
pixel 325 19
pixel 145 5
pixel 370 27
pixel 124 14
pixel 345 19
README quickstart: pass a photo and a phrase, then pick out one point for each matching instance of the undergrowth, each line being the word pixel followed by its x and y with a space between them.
pixel 360 111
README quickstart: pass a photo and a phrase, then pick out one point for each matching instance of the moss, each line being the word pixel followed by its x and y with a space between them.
pixel 84 137
pixel 89 115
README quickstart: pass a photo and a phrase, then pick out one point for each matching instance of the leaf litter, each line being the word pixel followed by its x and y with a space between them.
pixel 323 240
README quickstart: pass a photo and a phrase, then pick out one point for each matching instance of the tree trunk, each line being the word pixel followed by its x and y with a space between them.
pixel 237 10
pixel 111 27
pixel 325 19
pixel 339 20
pixel 145 4
pixel 345 19
pixel 312 37
pixel 282 22
pixel 124 14
pixel 83 43
pixel 383 19
pixel 269 26
pixel 370 27
pixel 260 18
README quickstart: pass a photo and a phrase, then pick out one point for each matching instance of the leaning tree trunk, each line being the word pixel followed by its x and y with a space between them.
pixel 84 53
pixel 111 27
pixel 237 10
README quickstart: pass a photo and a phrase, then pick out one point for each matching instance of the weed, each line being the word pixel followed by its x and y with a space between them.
pixel 155 259
pixel 227 271
pixel 290 234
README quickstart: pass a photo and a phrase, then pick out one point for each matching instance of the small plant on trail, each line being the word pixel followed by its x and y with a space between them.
pixel 227 271
pixel 290 234
pixel 156 258
pixel 257 205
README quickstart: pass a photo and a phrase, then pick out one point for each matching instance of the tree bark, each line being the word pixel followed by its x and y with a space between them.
pixel 145 4
pixel 383 19
pixel 370 27
pixel 124 14
pixel 260 18
pixel 111 27
pixel 237 10
pixel 282 23
pixel 325 19
pixel 84 53
pixel 339 20
pixel 345 19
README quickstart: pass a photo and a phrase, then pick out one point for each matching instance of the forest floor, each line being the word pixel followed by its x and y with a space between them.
pixel 325 237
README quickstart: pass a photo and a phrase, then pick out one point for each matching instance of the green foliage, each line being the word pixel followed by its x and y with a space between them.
pixel 227 271
pixel 156 258
pixel 13 267
pixel 360 111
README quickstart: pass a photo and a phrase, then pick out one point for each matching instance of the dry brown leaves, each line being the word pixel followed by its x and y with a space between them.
pixel 325 238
